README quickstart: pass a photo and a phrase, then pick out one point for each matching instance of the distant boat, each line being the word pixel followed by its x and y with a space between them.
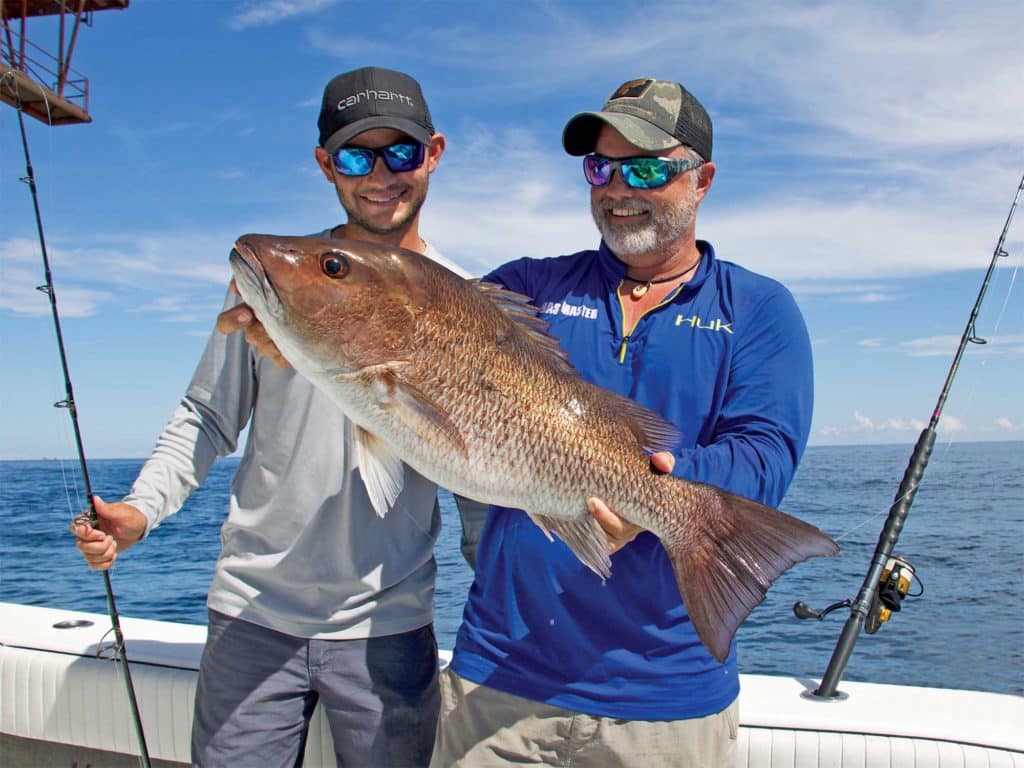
pixel 63 702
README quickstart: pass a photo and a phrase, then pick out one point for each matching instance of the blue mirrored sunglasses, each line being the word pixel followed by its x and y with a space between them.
pixel 399 158
pixel 638 172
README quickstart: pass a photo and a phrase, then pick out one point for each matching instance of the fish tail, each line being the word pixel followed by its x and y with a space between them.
pixel 725 567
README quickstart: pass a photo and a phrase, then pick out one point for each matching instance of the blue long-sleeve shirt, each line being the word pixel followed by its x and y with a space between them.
pixel 727 359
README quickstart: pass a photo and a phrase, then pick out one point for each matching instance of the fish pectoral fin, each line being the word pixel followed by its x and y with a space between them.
pixel 584 536
pixel 380 469
pixel 422 416
pixel 417 411
pixel 724 568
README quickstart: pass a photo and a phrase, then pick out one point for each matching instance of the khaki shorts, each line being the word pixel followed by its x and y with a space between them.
pixel 481 727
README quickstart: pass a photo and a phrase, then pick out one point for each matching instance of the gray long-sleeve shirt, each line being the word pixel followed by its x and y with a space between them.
pixel 303 551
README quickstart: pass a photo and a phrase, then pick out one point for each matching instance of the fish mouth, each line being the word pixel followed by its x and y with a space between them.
pixel 250 276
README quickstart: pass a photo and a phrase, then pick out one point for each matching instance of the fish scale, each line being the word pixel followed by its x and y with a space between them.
pixel 459 380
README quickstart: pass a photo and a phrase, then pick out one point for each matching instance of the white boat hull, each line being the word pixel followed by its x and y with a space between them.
pixel 62 699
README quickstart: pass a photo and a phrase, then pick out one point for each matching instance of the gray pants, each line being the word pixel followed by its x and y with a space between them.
pixel 257 690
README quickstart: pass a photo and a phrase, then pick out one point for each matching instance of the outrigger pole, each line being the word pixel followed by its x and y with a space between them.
pixel 88 517
pixel 907 491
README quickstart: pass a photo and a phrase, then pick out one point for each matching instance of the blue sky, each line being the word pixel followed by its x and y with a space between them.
pixel 867 155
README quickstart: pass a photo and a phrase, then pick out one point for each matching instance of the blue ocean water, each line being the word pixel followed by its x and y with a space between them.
pixel 965 536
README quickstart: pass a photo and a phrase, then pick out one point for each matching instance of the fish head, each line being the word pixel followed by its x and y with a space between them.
pixel 331 306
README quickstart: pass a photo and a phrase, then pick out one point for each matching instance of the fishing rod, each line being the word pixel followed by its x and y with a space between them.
pixel 888 577
pixel 89 516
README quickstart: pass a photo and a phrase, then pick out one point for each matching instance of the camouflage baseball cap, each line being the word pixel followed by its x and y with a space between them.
pixel 650 114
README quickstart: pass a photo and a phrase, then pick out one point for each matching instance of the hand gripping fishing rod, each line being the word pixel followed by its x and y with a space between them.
pixel 860 608
pixel 69 402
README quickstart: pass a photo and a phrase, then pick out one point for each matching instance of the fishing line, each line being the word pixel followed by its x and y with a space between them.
pixel 972 390
pixel 89 517
pixel 54 385
pixel 1009 291
pixel 856 527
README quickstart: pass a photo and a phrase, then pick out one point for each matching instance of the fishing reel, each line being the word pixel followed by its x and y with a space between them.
pixel 893 586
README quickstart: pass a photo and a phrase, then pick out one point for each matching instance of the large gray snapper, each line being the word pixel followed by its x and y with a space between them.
pixel 460 380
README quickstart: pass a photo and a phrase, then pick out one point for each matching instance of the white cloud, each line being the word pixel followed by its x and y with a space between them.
pixel 798 239
pixel 22 273
pixel 949 423
pixel 839 289
pixel 20 297
pixel 894 428
pixel 162 304
pixel 864 423
pixel 869 298
pixel 171 273
pixel 264 13
pixel 1007 425
pixel 931 346
pixel 132 133
pixel 482 213
pixel 887 76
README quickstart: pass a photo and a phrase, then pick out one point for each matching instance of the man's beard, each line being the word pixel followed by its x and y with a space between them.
pixel 666 225
pixel 419 196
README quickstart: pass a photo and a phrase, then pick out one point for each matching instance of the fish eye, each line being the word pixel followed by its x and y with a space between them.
pixel 334 264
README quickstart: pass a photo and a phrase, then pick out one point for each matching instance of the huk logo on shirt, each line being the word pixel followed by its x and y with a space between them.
pixel 694 321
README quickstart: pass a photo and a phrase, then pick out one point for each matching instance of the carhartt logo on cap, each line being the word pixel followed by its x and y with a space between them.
pixel 369 98
pixel 634 89
pixel 367 95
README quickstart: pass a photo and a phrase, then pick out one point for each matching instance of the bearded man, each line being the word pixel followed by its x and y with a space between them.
pixel 552 665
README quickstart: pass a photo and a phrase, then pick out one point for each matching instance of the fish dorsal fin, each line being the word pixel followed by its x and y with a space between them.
pixel 380 469
pixel 523 313
pixel 651 429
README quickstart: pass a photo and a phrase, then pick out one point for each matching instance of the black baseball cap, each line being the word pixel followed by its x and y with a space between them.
pixel 650 114
pixel 372 97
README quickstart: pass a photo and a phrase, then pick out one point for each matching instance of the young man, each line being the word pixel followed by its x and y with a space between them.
pixel 314 596
pixel 553 666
